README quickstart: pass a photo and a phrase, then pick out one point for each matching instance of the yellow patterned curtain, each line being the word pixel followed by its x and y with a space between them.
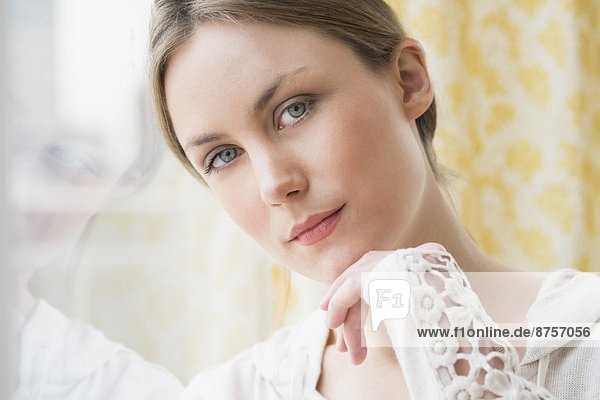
pixel 517 84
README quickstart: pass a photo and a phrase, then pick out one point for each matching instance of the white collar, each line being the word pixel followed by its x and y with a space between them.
pixel 291 359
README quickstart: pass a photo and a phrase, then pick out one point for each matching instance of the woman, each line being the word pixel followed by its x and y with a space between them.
pixel 312 123
pixel 58 357
pixel 65 166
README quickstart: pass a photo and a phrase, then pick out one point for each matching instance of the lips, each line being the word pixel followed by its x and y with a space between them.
pixel 316 227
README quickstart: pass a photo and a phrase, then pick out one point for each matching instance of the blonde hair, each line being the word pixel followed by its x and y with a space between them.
pixel 369 27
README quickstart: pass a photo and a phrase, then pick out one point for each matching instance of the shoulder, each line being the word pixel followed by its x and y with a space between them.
pixel 68 359
pixel 567 296
pixel 562 295
pixel 229 380
pixel 264 371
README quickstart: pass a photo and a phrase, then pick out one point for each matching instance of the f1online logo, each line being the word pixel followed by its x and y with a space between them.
pixel 388 299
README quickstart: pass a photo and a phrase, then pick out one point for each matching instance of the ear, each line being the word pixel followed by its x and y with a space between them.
pixel 410 71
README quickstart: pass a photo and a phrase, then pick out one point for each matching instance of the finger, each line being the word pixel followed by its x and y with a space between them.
pixel 345 297
pixel 324 303
pixel 431 246
pixel 434 247
pixel 354 335
pixel 366 262
pixel 340 342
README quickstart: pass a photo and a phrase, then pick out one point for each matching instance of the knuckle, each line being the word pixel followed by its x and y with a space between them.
pixel 355 282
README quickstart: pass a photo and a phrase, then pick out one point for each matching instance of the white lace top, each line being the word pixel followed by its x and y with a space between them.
pixel 288 365
pixel 441 297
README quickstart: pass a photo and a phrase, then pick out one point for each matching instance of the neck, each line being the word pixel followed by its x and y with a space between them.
pixel 438 222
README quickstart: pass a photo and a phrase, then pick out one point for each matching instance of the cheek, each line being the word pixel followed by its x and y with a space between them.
pixel 238 204
pixel 377 162
pixel 370 149
pixel 239 197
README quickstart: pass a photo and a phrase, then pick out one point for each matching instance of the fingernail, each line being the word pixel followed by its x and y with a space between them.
pixel 322 304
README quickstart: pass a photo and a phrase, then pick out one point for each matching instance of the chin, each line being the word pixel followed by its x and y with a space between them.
pixel 327 270
pixel 326 265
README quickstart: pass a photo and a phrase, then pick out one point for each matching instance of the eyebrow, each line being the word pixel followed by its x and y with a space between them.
pixel 203 139
pixel 259 105
pixel 268 93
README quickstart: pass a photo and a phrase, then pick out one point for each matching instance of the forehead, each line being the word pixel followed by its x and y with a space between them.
pixel 229 49
pixel 229 61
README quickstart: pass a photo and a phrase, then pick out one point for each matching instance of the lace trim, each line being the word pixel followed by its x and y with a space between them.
pixel 466 368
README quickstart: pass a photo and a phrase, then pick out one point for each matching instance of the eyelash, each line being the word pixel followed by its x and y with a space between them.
pixel 308 102
pixel 211 162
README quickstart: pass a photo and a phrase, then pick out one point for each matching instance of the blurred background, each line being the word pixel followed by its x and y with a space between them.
pixel 161 268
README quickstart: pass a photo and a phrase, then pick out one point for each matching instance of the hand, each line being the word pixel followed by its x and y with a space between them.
pixel 344 303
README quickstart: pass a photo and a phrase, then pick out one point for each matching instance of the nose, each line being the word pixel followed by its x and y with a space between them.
pixel 280 178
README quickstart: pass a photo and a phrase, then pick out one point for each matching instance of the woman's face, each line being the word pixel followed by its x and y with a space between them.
pixel 58 181
pixel 291 131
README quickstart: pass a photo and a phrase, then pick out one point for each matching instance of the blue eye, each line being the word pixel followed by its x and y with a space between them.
pixel 297 110
pixel 222 159
pixel 294 113
pixel 72 163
